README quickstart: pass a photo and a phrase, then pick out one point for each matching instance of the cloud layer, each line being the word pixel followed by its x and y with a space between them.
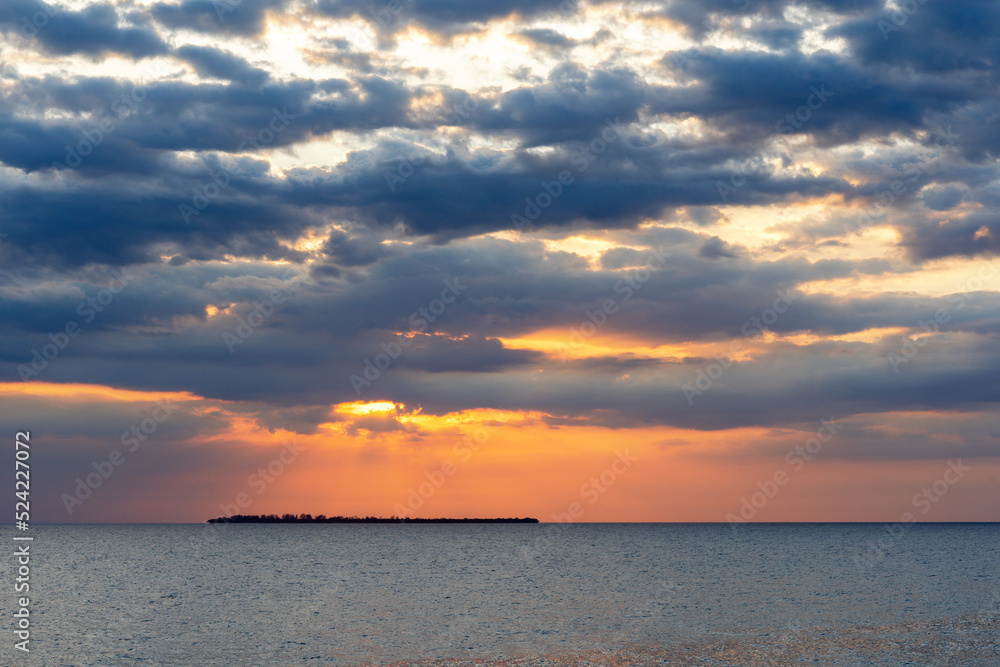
pixel 708 216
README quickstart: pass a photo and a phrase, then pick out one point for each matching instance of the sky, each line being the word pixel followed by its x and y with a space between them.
pixel 679 260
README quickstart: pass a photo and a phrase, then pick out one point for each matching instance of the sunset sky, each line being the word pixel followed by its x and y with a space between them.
pixel 658 261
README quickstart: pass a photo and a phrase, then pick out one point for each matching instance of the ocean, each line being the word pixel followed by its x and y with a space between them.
pixel 542 594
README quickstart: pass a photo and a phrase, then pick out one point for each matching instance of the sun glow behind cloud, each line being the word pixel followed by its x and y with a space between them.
pixel 500 462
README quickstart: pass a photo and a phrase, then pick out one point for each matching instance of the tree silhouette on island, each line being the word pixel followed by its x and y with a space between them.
pixel 322 518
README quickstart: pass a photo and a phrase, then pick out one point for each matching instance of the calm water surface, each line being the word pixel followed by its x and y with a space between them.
pixel 346 594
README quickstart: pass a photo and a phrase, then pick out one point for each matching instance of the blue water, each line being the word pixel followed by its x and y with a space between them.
pixel 346 594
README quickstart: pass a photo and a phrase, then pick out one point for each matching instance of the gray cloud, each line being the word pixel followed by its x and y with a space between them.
pixel 646 141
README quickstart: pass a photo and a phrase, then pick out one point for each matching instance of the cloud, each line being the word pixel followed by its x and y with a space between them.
pixel 377 169
pixel 973 234
pixel 245 18
pixel 212 62
pixel 92 31
pixel 547 38
pixel 445 17
pixel 899 39
pixel 942 198
pixel 716 248
pixel 831 99
pixel 700 17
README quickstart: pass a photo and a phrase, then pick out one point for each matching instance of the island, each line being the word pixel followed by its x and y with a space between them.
pixel 322 518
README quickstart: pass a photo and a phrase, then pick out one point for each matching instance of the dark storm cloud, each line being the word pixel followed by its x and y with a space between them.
pixel 397 241
pixel 963 35
pixel 339 51
pixel 444 197
pixel 973 234
pixel 547 38
pixel 236 17
pixel 778 386
pixel 92 31
pixel 943 198
pixel 716 248
pixel 305 351
pixel 444 16
pixel 32 145
pixel 628 182
pixel 778 37
pixel 617 188
pixel 512 292
pixel 213 62
pixel 774 389
pixel 464 355
pixel 174 116
pixel 702 16
pixel 840 102
pixel 356 250
pixel 571 104
pixel 965 39
pixel 123 224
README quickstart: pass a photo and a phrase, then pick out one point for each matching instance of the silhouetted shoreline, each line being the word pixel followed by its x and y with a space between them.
pixel 322 518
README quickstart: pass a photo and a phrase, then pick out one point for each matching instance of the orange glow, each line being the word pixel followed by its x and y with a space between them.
pixel 384 458
pixel 366 408
pixel 84 392
pixel 587 247
pixel 570 344
pixel 866 336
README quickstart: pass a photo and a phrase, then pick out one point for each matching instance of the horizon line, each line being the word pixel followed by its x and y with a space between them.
pixel 540 522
